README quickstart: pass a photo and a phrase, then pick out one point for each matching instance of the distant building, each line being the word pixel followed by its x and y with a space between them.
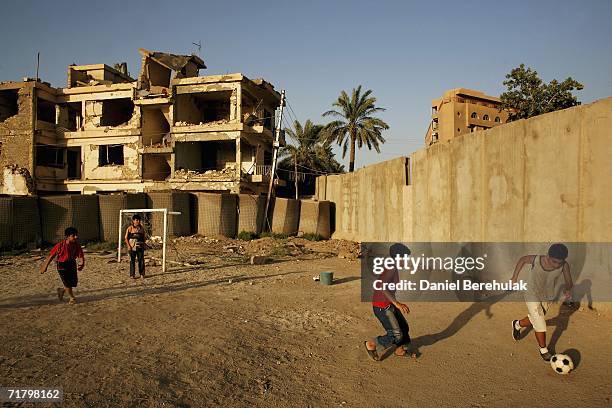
pixel 461 111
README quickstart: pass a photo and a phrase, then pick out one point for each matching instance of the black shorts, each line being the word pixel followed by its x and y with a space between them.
pixel 68 273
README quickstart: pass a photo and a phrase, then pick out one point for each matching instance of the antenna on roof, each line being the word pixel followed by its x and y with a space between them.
pixel 199 45
pixel 37 64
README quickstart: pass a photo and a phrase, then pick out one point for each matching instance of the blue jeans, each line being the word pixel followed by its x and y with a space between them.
pixel 395 325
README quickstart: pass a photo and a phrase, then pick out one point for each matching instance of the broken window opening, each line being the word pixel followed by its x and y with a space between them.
pixel 45 111
pixel 50 156
pixel 73 162
pixel 155 125
pixel 116 112
pixel 203 108
pixel 268 121
pixel 252 111
pixel 206 157
pixel 70 116
pixel 156 167
pixel 110 155
pixel 267 158
pixel 8 104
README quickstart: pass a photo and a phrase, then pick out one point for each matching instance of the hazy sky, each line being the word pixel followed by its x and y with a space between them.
pixel 407 52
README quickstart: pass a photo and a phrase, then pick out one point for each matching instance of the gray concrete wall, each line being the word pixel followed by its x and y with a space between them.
pixel 369 203
pixel 538 180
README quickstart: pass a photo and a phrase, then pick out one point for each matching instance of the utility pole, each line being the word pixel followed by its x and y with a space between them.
pixel 295 175
pixel 275 148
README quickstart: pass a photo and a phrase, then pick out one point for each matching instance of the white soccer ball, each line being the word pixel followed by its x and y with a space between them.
pixel 561 363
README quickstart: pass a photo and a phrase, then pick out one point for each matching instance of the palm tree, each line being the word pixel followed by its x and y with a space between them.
pixel 356 123
pixel 309 151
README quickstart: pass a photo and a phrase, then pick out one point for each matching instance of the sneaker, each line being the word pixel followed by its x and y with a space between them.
pixel 516 333
pixel 546 356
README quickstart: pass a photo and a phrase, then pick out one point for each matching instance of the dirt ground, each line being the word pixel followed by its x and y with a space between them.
pixel 214 330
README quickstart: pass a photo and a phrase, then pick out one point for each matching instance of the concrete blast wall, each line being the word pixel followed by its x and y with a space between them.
pixel 538 180
pixel 545 179
pixel 178 225
pixel 315 218
pixel 217 214
pixel 19 222
pixel 251 210
pixel 79 211
pixel 285 216
pixel 368 202
pixel 110 204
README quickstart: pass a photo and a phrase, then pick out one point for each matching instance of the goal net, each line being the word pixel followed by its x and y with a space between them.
pixel 155 223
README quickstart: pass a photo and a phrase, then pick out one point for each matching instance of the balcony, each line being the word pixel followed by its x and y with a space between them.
pixel 259 173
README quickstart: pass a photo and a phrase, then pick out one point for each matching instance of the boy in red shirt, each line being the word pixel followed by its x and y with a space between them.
pixel 67 252
pixel 390 313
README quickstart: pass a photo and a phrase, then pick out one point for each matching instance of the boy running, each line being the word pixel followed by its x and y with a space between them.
pixel 388 310
pixel 541 281
pixel 67 251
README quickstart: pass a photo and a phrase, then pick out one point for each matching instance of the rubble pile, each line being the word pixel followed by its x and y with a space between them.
pixel 210 123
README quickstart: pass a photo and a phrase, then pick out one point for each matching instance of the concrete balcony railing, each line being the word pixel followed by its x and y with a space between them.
pixel 262 169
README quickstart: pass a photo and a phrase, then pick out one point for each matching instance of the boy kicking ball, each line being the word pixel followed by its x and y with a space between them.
pixel 67 252
pixel 390 313
pixel 541 282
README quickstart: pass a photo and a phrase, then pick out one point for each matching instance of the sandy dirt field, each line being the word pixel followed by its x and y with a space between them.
pixel 222 332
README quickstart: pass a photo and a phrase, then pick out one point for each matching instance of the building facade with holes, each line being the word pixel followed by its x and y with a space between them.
pixel 460 111
pixel 167 129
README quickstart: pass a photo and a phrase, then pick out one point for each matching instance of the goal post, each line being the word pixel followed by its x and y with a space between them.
pixel 164 237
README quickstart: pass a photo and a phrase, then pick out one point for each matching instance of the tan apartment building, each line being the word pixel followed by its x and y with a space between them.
pixel 167 129
pixel 461 111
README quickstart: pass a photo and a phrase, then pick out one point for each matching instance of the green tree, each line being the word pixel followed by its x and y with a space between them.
pixel 309 153
pixel 356 125
pixel 528 95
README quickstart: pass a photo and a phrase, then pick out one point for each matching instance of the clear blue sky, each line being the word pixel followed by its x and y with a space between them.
pixel 407 52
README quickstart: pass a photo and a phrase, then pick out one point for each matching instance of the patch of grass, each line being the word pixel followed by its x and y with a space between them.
pixel 312 237
pixel 247 235
pixel 280 251
pixel 274 235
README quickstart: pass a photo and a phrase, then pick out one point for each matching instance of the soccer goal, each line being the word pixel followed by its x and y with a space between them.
pixel 125 219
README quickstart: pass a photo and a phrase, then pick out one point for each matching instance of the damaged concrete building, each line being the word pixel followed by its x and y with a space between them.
pixel 167 129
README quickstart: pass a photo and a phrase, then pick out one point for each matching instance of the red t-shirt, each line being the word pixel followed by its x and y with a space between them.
pixel 67 251
pixel 378 297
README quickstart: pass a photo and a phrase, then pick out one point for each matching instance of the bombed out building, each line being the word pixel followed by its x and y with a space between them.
pixel 167 129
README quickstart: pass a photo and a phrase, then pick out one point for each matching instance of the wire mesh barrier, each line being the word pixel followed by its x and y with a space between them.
pixel 60 212
pixel 25 220
pixel 216 214
pixel 251 213
pixel 110 204
pixel 174 201
pixel 7 222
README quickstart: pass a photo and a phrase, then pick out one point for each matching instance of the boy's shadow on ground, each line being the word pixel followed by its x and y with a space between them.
pixel 458 322
pixel 127 291
pixel 566 310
